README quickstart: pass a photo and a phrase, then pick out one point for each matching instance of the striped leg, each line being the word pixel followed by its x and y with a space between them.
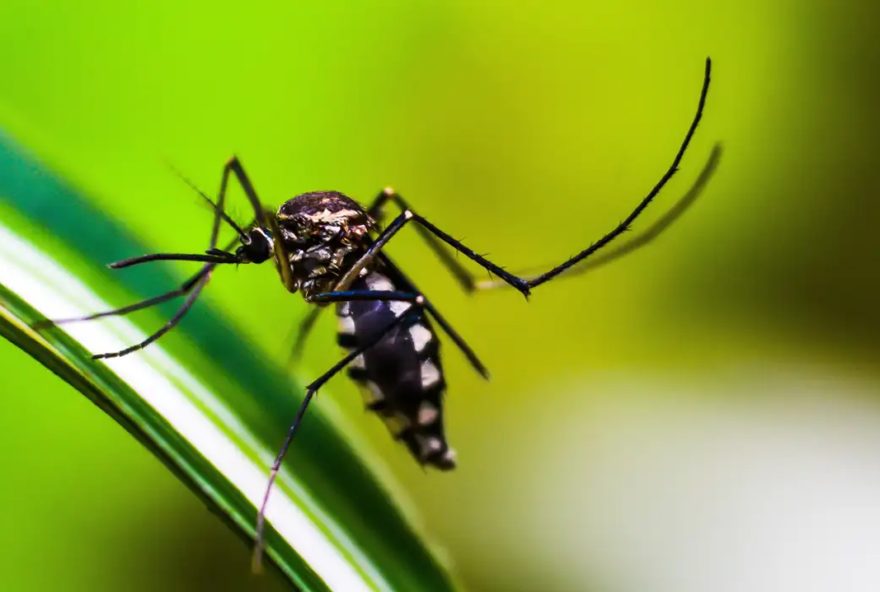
pixel 219 256
pixel 193 286
pixel 640 240
pixel 302 333
pixel 464 278
pixel 311 390
pixel 183 289
pixel 376 210
pixel 525 285
pixel 400 279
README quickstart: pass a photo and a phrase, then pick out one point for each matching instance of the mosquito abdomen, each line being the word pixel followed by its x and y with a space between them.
pixel 401 376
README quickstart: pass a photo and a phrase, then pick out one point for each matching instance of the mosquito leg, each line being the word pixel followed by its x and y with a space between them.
pixel 361 295
pixel 399 278
pixel 302 333
pixel 396 225
pixel 183 289
pixel 375 210
pixel 181 312
pixel 522 284
pixel 462 276
pixel 459 341
pixel 311 389
pixel 309 321
pixel 233 166
pixel 647 236
pixel 262 217
pixel 624 226
pixel 213 254
pixel 509 278
pixel 194 286
pixel 373 250
pixel 382 295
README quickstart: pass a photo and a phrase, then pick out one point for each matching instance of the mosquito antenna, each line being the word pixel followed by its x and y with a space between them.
pixel 223 215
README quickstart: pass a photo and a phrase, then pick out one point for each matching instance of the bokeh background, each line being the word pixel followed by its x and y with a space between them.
pixel 702 415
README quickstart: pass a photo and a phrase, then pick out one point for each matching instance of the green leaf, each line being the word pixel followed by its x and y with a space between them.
pixel 210 407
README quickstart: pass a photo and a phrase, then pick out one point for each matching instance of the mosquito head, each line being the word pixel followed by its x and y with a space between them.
pixel 323 217
pixel 256 246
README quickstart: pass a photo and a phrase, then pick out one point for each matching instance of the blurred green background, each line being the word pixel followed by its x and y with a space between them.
pixel 702 415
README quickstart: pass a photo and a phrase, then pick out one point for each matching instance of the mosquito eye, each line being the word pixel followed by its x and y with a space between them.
pixel 261 248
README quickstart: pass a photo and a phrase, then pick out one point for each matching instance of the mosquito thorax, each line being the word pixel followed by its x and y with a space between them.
pixel 323 233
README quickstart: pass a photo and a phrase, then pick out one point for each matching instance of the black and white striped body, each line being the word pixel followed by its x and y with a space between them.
pixel 323 234
pixel 401 376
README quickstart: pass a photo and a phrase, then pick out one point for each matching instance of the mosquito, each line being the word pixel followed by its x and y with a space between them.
pixel 329 248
